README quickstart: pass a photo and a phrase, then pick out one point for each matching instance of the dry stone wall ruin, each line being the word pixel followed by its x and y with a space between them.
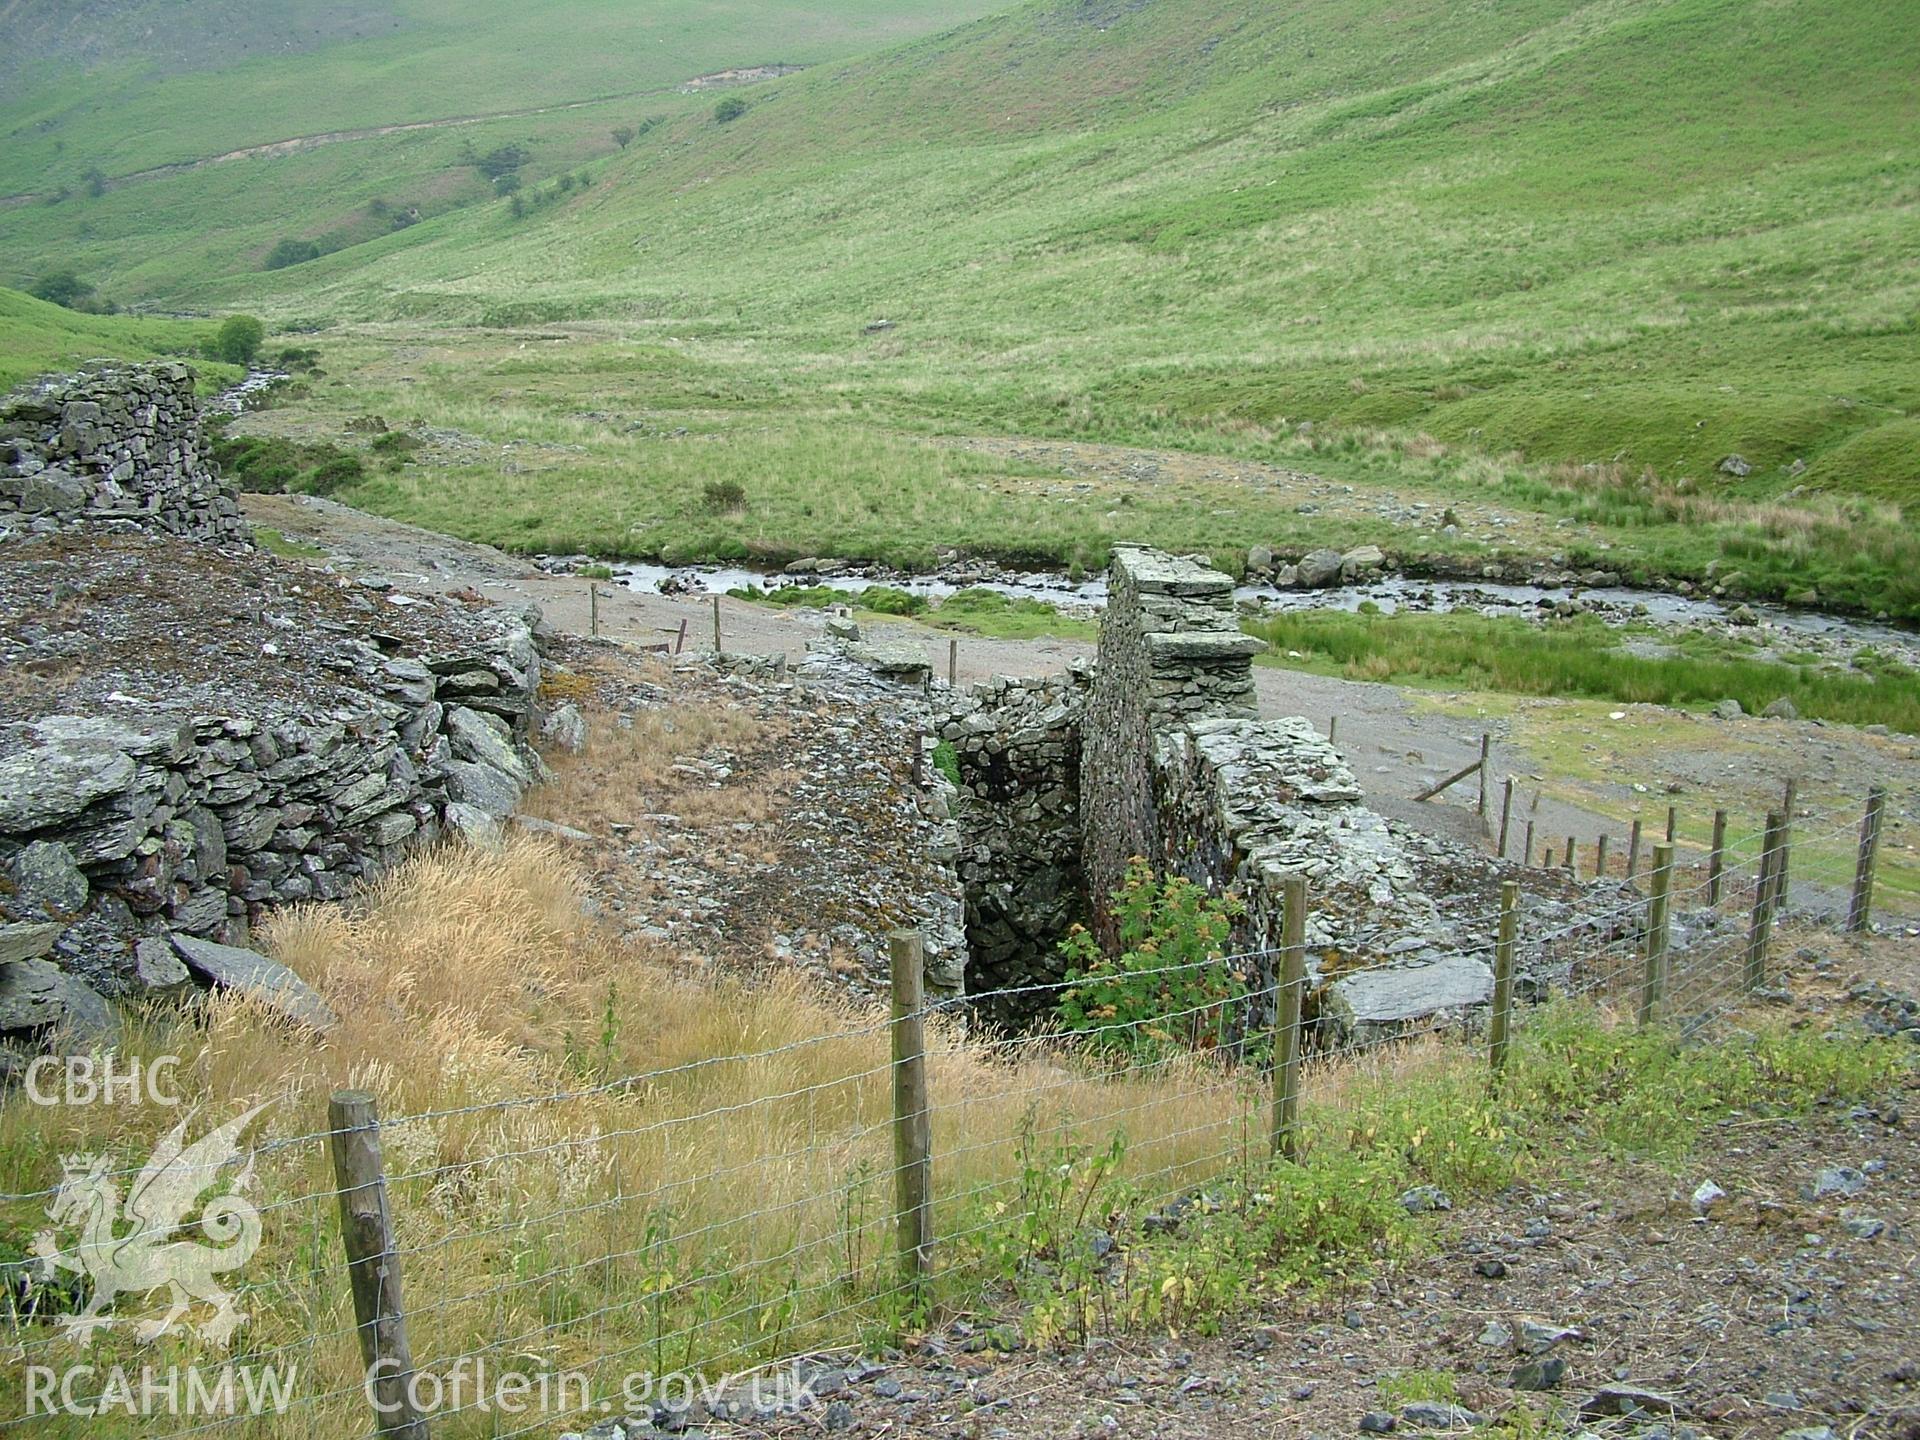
pixel 156 800
pixel 118 446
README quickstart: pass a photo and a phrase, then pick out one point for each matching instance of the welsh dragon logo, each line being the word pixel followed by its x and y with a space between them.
pixel 147 1257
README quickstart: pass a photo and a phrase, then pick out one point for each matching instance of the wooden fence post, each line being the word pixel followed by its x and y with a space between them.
pixel 593 608
pixel 1527 857
pixel 1573 846
pixel 1506 816
pixel 1600 858
pixel 1633 849
pixel 1717 857
pixel 1760 924
pixel 953 664
pixel 373 1270
pixel 1673 823
pixel 1501 1025
pixel 716 624
pixel 1787 802
pixel 1333 728
pixel 912 1117
pixel 1860 906
pixel 1286 1020
pixel 1486 746
pixel 1653 985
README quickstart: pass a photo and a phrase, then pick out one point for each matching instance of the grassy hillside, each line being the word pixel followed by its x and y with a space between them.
pixel 1522 227
pixel 101 110
pixel 1562 258
pixel 40 337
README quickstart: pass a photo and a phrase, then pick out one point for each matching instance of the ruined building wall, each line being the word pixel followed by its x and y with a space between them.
pixel 1159 753
pixel 1170 651
pixel 119 446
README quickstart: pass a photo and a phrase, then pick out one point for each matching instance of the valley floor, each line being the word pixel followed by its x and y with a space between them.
pixel 1579 771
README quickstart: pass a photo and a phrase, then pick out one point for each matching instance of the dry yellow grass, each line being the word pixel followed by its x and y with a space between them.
pixel 706 1184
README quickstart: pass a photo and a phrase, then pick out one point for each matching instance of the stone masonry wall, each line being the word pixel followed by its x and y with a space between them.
pixel 1170 651
pixel 121 445
pixel 113 829
pixel 1018 748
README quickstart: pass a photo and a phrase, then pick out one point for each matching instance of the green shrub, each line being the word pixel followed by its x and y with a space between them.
pixel 947 761
pixel 1168 990
pixel 729 109
pixel 723 496
pixel 271 465
pixel 886 600
pixel 238 339
pixel 63 287
pixel 291 252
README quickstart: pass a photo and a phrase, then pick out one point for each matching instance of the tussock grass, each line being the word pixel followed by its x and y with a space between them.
pixel 725 1206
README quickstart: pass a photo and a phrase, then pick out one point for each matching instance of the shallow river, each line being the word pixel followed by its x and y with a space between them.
pixel 1390 594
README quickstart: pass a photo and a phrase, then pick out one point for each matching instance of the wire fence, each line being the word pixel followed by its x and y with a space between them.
pixel 529 1265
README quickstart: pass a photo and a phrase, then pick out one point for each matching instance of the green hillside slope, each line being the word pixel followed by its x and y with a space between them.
pixel 118 119
pixel 36 337
pixel 1647 233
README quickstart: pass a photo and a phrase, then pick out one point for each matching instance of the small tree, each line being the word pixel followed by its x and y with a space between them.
pixel 729 109
pixel 62 287
pixel 623 135
pixel 238 339
pixel 96 179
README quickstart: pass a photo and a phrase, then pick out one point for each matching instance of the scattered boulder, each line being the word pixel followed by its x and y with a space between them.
pixel 1359 561
pixel 157 967
pixel 565 727
pixel 1781 709
pixel 1378 1001
pixel 37 995
pixel 1631 1401
pixel 1742 615
pixel 482 788
pixel 472 824
pixel 484 739
pixel 1736 466
pixel 26 942
pixel 1728 709
pixel 1840 1180
pixel 1437 1415
pixel 1319 569
pixel 1259 559
pixel 1538 1372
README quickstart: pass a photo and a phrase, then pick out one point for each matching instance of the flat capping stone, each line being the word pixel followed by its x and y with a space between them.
pixel 1155 572
pixel 1202 645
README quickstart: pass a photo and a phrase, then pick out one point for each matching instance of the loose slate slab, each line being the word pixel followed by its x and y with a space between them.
pixel 1398 994
pixel 27 942
pixel 252 973
pixel 35 994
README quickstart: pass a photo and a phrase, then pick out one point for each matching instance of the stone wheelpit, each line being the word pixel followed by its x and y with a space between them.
pixel 193 732
pixel 1156 751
